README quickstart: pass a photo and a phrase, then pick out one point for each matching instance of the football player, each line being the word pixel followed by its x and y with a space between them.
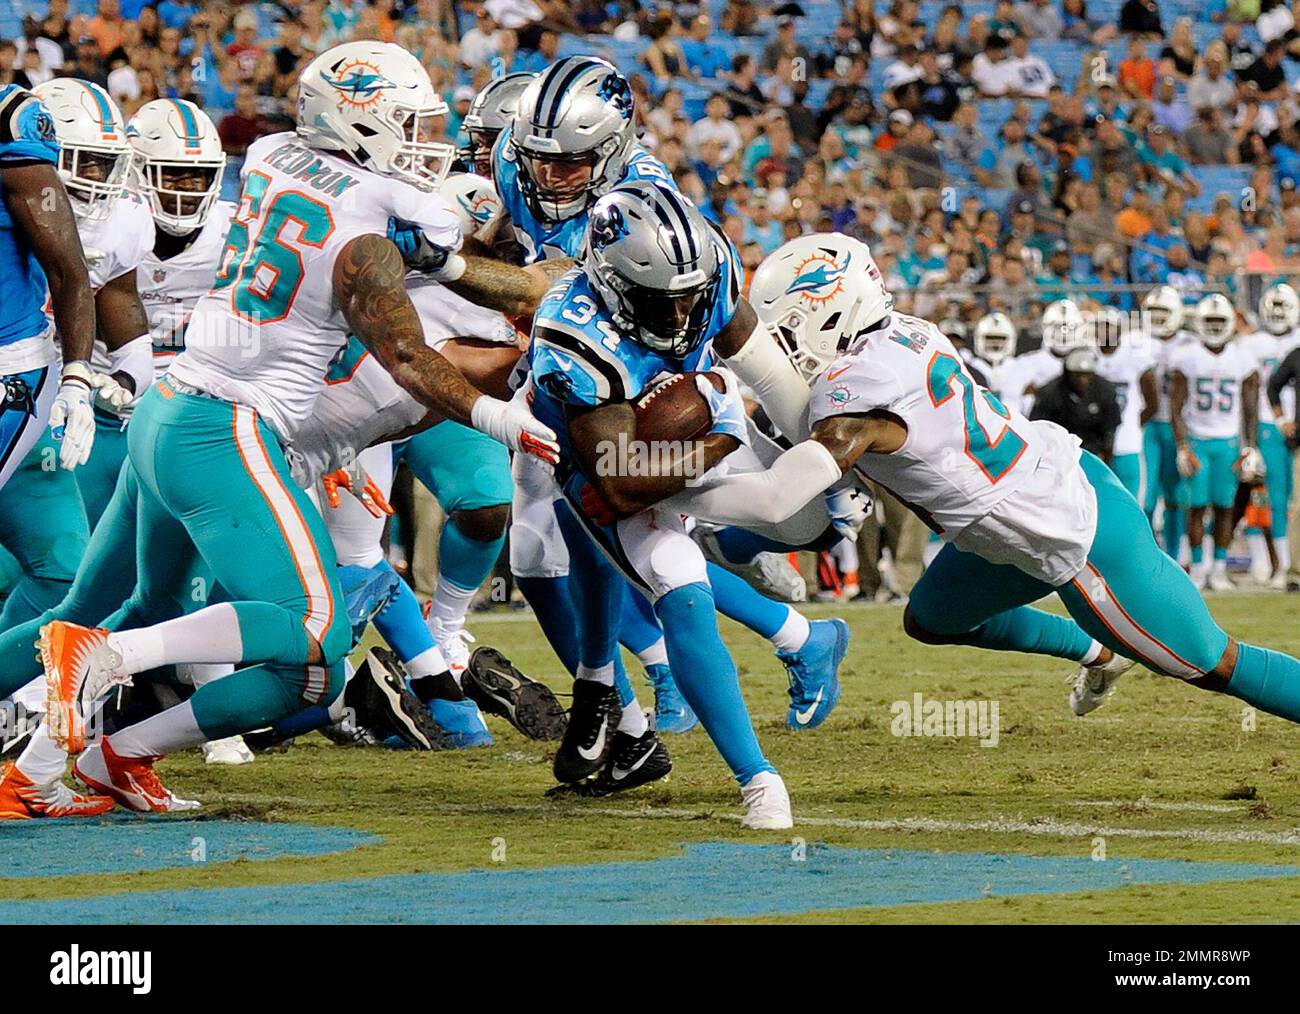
pixel 1214 409
pixel 1023 510
pixel 206 445
pixel 1125 360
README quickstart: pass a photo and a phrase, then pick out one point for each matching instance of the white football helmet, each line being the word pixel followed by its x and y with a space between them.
pixel 1162 311
pixel 1107 329
pixel 179 163
pixel 374 103
pixel 94 156
pixel 1063 329
pixel 995 338
pixel 1216 320
pixel 1279 309
pixel 817 293
pixel 473 198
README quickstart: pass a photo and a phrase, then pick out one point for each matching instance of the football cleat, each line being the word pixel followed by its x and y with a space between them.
pixel 587 741
pixel 80 667
pixel 231 751
pixel 1094 683
pixel 460 724
pixel 672 713
pixel 132 781
pixel 381 703
pixel 633 761
pixel 23 799
pixel 493 683
pixel 767 804
pixel 454 644
pixel 815 673
pixel 366 592
pixel 1220 582
pixel 771 573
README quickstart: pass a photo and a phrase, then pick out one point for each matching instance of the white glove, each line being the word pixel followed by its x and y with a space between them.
pixel 513 423
pixel 109 394
pixel 726 407
pixel 1188 463
pixel 72 420
pixel 1251 465
pixel 849 509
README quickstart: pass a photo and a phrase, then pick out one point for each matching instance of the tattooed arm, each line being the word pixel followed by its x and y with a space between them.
pixel 505 287
pixel 370 285
pixel 40 209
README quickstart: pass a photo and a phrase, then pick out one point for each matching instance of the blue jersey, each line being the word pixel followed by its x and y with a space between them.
pixel 543 240
pixel 26 136
pixel 579 356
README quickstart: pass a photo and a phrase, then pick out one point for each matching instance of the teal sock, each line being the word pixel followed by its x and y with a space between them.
pixel 1269 680
pixel 708 678
pixel 1220 552
pixel 1032 630
pixel 1198 553
pixel 464 561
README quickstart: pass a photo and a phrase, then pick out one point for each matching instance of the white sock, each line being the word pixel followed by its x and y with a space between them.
pixel 42 761
pixel 793 634
pixel 1220 566
pixel 450 604
pixel 428 663
pixel 209 635
pixel 633 720
pixel 337 707
pixel 603 674
pixel 1283 548
pixel 656 654
pixel 197 674
pixel 164 733
pixel 1093 654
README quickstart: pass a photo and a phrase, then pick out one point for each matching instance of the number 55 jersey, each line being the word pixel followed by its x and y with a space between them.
pixel 265 334
pixel 979 474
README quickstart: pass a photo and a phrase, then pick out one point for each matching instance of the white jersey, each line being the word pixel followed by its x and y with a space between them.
pixel 1268 350
pixel 115 246
pixel 1125 368
pixel 1213 408
pixel 1162 353
pixel 1020 376
pixel 266 333
pixel 170 289
pixel 362 404
pixel 978 472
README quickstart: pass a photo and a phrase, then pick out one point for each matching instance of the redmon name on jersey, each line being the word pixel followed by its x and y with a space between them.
pixel 300 163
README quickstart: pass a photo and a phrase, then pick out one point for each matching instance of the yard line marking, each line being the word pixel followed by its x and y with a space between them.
pixel 1148 804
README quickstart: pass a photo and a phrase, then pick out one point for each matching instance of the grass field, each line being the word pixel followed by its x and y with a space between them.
pixel 888 828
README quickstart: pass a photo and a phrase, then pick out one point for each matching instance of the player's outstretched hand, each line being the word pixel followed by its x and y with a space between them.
pixel 72 419
pixel 513 423
pixel 442 263
pixel 354 479
pixel 726 407
pixel 849 509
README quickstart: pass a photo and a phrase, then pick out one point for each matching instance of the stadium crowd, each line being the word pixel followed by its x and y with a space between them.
pixel 994 155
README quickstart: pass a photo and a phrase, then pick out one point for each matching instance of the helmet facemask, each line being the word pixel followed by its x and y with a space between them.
pixel 180 194
pixel 671 323
pixel 559 204
pixel 478 153
pixel 94 177
pixel 423 156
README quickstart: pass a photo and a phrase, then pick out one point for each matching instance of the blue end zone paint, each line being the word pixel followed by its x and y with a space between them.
pixel 47 848
pixel 717 880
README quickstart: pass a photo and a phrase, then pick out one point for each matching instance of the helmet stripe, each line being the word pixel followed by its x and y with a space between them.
pixel 551 97
pixel 190 125
pixel 107 127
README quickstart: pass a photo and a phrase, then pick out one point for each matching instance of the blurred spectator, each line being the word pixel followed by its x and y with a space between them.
pixel 1040 19
pixel 785 45
pixel 1181 53
pixel 1212 86
pixel 704 57
pixel 743 94
pixel 664 57
pixel 1207 140
pixel 1170 108
pixel 10 73
pixel 244 125
pixel 1137 73
pixel 762 229
pixel 993 73
pixel 1079 27
pixel 1034 78
pixel 106 27
pixel 1141 17
pixel 246 50
pixel 715 125
pixel 1267 72
pixel 967 142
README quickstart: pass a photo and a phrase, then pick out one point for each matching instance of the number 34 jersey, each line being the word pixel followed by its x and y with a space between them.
pixel 979 473
pixel 266 333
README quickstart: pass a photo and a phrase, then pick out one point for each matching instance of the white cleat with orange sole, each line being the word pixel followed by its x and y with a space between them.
pixel 80 668
pixel 23 799
pixel 132 781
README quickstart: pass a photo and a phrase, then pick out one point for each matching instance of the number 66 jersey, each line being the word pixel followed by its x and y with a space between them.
pixel 265 334
pixel 979 474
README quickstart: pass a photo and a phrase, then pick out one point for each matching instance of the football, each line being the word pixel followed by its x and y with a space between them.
pixel 674 409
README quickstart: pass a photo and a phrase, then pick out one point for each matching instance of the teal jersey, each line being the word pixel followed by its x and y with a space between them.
pixel 26 137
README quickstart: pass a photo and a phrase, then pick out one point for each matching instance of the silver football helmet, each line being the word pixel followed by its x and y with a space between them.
pixel 1216 320
pixel 1162 311
pixel 1063 328
pixel 1279 309
pixel 656 264
pixel 995 338
pixel 572 136
pixel 492 111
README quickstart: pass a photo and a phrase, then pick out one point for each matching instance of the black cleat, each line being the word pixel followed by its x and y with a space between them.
pixel 587 741
pixel 633 761
pixel 383 705
pixel 493 683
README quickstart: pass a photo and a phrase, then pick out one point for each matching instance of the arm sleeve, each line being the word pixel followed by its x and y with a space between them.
pixel 769 497
pixel 762 366
pixel 1287 372
pixel 135 359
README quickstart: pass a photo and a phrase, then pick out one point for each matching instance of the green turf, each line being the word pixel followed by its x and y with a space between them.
pixel 1111 775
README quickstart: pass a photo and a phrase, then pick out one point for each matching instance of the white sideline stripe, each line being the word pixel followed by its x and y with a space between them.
pixel 1147 804
pixel 1048 827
